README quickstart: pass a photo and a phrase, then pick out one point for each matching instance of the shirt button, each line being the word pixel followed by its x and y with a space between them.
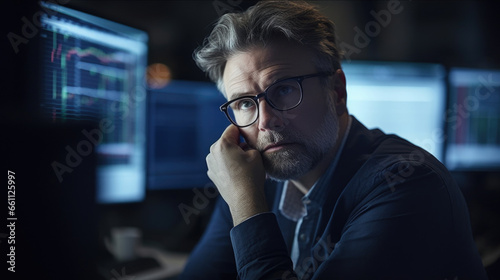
pixel 303 237
pixel 307 201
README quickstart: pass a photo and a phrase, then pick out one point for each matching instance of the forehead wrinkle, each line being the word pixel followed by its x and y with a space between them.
pixel 251 71
pixel 258 79
pixel 235 87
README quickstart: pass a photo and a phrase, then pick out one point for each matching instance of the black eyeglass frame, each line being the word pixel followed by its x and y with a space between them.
pixel 256 98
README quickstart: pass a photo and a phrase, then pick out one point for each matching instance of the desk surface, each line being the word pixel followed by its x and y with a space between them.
pixel 171 265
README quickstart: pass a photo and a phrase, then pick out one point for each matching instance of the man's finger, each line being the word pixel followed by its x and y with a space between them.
pixel 231 134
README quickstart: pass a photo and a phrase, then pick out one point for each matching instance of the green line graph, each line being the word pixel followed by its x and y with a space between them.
pixel 87 78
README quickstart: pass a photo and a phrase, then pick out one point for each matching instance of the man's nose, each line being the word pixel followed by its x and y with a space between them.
pixel 269 118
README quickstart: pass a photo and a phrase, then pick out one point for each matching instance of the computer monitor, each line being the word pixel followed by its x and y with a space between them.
pixel 184 120
pixel 473 120
pixel 407 99
pixel 94 70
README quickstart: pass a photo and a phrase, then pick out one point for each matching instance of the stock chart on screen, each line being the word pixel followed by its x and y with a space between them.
pixel 473 118
pixel 94 70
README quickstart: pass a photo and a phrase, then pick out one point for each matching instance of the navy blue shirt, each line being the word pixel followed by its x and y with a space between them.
pixel 389 210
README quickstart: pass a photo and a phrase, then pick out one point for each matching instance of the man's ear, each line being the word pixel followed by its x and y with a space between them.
pixel 340 92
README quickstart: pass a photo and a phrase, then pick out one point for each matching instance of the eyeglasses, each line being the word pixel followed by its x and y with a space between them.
pixel 282 95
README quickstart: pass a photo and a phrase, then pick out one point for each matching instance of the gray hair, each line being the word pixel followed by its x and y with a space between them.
pixel 298 22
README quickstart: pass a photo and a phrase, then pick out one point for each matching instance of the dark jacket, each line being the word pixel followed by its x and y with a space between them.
pixel 390 210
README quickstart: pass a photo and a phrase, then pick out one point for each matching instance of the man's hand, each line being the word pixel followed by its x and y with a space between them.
pixel 238 174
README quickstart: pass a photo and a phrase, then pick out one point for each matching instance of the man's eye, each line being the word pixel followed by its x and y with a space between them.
pixel 284 90
pixel 244 104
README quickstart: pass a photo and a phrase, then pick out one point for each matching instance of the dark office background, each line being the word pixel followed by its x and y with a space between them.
pixel 452 33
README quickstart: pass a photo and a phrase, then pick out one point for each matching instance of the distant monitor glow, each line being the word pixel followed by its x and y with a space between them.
pixel 473 119
pixel 407 99
pixel 94 70
pixel 183 122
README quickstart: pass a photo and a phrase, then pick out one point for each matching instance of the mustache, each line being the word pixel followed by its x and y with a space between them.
pixel 274 137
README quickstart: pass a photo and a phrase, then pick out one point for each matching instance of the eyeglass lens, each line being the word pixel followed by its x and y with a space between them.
pixel 282 96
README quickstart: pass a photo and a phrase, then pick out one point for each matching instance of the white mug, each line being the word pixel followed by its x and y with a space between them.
pixel 124 242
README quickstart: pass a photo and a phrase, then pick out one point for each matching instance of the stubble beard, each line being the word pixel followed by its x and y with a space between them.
pixel 292 162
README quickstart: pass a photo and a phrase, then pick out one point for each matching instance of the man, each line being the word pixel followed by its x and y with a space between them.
pixel 311 193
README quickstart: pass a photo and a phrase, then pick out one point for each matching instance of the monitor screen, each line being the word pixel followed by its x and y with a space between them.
pixel 184 120
pixel 94 71
pixel 407 99
pixel 473 119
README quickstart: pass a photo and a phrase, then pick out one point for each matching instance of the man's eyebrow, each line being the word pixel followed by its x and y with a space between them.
pixel 275 79
pixel 281 78
pixel 240 94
